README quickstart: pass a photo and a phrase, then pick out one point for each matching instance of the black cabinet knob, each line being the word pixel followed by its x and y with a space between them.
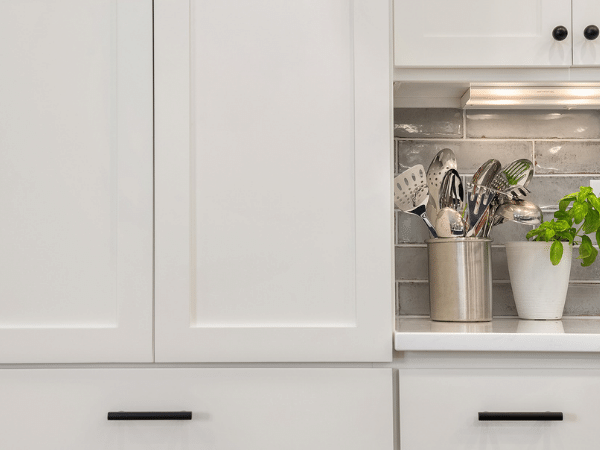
pixel 560 33
pixel 591 32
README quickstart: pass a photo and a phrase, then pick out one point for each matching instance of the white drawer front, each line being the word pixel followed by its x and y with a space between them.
pixel 439 409
pixel 231 409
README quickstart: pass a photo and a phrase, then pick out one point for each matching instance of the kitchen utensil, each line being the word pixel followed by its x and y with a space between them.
pixel 450 223
pixel 486 173
pixel 515 192
pixel 443 161
pixel 520 211
pixel 517 173
pixel 451 191
pixel 460 279
pixel 478 202
pixel 411 194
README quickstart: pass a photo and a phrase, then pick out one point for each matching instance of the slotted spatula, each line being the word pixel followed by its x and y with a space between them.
pixel 411 194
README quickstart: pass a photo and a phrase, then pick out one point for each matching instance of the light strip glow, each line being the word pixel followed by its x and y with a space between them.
pixel 533 97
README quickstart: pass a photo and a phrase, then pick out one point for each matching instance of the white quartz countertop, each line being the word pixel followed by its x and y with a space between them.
pixel 571 334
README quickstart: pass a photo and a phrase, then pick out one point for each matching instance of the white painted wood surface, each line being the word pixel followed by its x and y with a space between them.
pixel 273 174
pixel 468 33
pixel 254 409
pixel 448 401
pixel 585 52
pixel 76 181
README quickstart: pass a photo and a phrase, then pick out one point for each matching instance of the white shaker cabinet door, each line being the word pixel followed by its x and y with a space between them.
pixel 517 33
pixel 586 17
pixel 230 409
pixel 273 175
pixel 75 181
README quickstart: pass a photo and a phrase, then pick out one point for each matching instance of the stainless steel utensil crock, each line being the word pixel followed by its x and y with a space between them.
pixel 460 279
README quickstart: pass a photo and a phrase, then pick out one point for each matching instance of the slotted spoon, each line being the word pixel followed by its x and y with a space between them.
pixel 443 161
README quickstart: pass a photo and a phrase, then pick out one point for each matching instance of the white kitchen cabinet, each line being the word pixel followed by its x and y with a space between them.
pixel 450 401
pixel 586 52
pixel 253 409
pixel 76 181
pixel 273 181
pixel 510 33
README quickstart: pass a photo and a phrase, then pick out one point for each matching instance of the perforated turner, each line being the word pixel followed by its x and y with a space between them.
pixel 411 194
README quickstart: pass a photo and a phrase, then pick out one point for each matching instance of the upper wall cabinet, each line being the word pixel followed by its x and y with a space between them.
pixel 76 181
pixel 510 33
pixel 273 180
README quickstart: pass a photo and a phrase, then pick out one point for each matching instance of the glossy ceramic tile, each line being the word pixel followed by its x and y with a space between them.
pixel 564 162
pixel 410 229
pixel 411 263
pixel 503 303
pixel 547 190
pixel 534 124
pixel 583 300
pixel 469 154
pixel 413 299
pixel 428 123
pixel 575 157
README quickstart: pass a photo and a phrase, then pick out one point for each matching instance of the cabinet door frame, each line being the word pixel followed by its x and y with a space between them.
pixel 447 39
pixel 127 336
pixel 585 52
pixel 370 337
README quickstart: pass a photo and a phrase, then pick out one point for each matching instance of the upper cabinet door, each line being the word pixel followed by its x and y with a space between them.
pixel 273 180
pixel 75 181
pixel 463 33
pixel 586 23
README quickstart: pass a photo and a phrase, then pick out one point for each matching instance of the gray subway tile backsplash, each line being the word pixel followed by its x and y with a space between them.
pixel 567 157
pixel 470 154
pixel 428 123
pixel 565 147
pixel 534 124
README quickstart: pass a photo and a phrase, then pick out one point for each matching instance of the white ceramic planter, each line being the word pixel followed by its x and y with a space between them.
pixel 539 288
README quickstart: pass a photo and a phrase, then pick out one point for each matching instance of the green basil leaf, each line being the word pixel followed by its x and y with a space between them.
pixel 584 191
pixel 556 252
pixel 562 225
pixel 572 196
pixel 594 201
pixel 564 236
pixel 592 221
pixel 532 233
pixel 562 215
pixel 580 210
pixel 590 259
pixel 586 249
pixel 563 204
pixel 549 234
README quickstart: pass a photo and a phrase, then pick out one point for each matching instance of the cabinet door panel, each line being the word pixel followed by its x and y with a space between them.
pixel 254 409
pixel 76 181
pixel 272 186
pixel 473 33
pixel 585 52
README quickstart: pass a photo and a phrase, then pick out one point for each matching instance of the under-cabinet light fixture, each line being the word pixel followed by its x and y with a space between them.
pixel 567 96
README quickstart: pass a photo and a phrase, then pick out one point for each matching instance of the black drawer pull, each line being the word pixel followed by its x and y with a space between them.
pixel 520 415
pixel 151 415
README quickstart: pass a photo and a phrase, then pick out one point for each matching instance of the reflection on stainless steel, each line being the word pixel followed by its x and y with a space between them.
pixel 460 279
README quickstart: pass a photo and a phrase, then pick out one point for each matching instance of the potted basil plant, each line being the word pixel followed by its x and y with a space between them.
pixel 540 267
